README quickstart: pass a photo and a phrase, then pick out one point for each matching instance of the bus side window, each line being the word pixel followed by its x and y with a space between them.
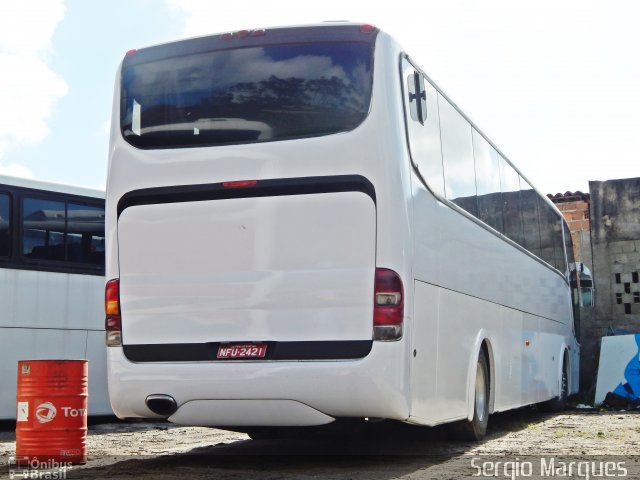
pixel 85 225
pixel 457 157
pixel 5 225
pixel 43 227
pixel 530 217
pixel 423 127
pixel 551 243
pixel 511 203
pixel 487 166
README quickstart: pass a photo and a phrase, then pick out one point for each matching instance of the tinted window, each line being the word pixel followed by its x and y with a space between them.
pixel 457 157
pixel 457 162
pixel 558 245
pixel 85 234
pixel 487 168
pixel 511 206
pixel 568 248
pixel 5 225
pixel 530 217
pixel 55 230
pixel 551 242
pixel 43 223
pixel 247 95
pixel 424 137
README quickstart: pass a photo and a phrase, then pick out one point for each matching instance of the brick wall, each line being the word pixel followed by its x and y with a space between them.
pixel 577 214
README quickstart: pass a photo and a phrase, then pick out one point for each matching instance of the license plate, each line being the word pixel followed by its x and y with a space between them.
pixel 242 350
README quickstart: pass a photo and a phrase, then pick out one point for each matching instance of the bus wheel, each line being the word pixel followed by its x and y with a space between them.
pixel 476 428
pixel 559 403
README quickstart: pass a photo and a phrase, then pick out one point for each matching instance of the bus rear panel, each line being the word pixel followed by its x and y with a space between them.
pixel 244 205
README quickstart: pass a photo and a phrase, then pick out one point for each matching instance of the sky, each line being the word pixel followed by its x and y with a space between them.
pixel 554 84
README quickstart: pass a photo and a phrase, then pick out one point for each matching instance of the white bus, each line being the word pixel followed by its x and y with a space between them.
pixel 51 282
pixel 303 228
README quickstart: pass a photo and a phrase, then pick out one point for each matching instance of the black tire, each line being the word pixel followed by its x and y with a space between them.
pixel 559 403
pixel 476 429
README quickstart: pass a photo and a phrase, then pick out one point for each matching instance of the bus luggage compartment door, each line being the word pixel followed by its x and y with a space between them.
pixel 284 268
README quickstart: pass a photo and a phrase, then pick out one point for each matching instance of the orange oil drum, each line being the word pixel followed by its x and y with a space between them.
pixel 51 417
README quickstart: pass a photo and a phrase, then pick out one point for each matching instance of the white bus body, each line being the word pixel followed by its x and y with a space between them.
pixel 51 283
pixel 320 267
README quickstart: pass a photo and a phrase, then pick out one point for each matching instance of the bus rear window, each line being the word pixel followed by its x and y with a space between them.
pixel 256 94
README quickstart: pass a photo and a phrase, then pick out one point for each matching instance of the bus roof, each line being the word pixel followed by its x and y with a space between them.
pixel 327 32
pixel 51 186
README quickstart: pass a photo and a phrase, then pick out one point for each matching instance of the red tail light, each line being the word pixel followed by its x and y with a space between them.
pixel 240 184
pixel 388 306
pixel 367 28
pixel 113 321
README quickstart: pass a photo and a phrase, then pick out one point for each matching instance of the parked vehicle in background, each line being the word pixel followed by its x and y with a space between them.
pixel 51 282
pixel 303 228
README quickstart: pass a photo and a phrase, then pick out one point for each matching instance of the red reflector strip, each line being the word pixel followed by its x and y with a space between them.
pixel 240 184
pixel 113 324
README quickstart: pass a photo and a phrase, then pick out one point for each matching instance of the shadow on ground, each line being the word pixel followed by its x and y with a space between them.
pixel 380 451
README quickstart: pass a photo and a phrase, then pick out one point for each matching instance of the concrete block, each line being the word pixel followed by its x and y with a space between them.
pixel 601 325
pixel 633 257
pixel 628 246
pixel 621 258
pixel 615 247
pixel 604 262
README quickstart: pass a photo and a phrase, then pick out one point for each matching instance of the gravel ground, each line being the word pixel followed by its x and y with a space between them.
pixel 141 450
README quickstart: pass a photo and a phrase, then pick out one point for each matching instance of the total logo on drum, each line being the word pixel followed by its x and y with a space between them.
pixel 46 412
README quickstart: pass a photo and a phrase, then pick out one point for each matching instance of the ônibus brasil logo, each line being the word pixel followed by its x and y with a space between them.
pixel 45 412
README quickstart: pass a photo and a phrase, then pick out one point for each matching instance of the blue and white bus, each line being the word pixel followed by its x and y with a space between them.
pixel 303 228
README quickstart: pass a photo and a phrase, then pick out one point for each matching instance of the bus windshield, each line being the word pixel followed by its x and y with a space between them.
pixel 242 95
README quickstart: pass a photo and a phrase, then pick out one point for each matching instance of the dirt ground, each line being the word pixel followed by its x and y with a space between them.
pixel 600 444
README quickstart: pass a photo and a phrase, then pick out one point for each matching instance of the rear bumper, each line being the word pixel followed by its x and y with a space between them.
pixel 267 393
pixel 248 413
